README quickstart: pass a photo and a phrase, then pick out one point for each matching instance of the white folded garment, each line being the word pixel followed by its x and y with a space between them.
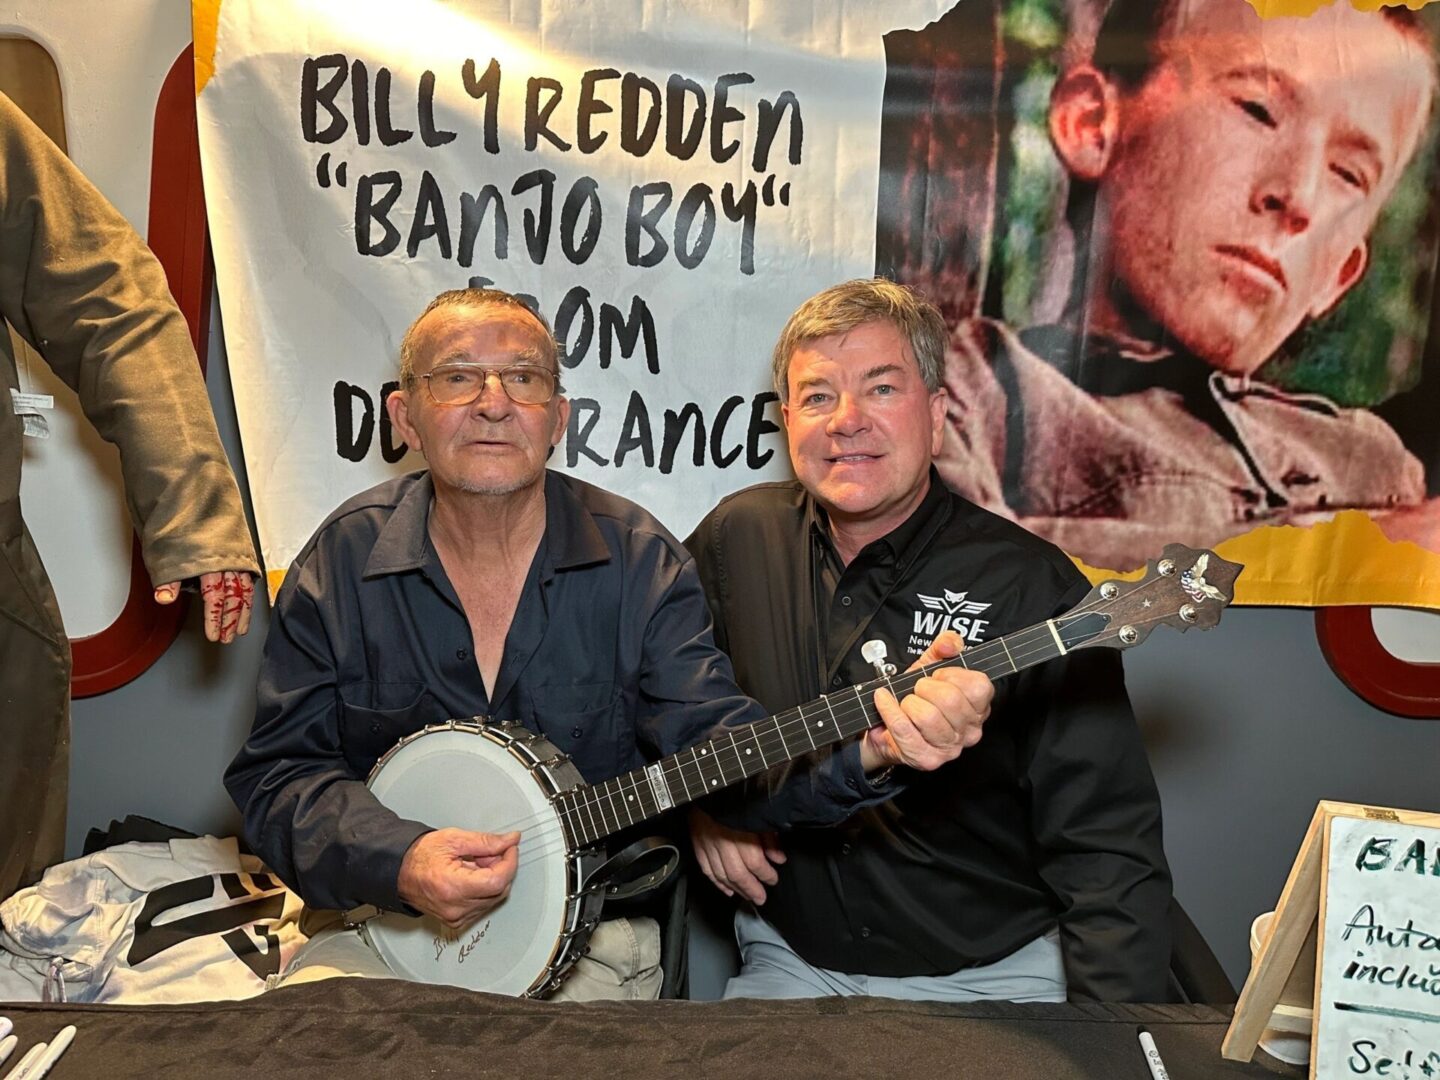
pixel 188 920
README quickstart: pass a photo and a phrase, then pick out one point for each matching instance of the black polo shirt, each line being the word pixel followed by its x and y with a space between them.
pixel 1052 818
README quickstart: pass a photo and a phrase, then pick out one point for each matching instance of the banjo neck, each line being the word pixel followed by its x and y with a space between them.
pixel 1114 614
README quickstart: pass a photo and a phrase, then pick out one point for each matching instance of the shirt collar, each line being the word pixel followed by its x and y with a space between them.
pixel 1110 368
pixel 404 538
pixel 1107 367
pixel 571 536
pixel 898 539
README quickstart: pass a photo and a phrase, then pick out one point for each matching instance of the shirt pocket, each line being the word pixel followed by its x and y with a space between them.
pixel 375 716
pixel 581 719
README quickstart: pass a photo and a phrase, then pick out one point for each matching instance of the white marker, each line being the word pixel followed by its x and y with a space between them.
pixel 1152 1056
pixel 7 1047
pixel 31 1056
pixel 58 1046
pixel 5 1026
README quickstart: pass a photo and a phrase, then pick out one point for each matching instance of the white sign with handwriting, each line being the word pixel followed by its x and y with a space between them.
pixel 1379 1007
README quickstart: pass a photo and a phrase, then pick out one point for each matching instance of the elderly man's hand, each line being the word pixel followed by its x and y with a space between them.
pixel 940 718
pixel 457 875
pixel 228 597
pixel 735 861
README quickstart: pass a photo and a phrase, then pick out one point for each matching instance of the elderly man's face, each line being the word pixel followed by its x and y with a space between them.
pixel 492 446
pixel 862 426
pixel 1249 168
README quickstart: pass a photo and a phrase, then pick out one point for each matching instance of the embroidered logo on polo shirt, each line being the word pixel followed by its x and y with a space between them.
pixel 948 611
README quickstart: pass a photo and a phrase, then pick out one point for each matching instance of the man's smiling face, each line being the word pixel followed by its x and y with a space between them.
pixel 861 425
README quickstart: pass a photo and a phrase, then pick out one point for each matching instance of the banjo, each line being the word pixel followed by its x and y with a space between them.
pixel 498 777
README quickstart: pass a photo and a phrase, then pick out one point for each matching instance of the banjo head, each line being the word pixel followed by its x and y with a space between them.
pixel 468 777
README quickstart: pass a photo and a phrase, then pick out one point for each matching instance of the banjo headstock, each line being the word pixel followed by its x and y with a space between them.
pixel 1185 587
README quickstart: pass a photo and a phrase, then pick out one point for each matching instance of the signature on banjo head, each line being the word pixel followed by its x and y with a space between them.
pixel 443 941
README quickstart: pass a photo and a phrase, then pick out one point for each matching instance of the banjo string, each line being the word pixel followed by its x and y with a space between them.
pixel 543 828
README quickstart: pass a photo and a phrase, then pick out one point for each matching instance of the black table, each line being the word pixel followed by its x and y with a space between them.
pixel 361 1028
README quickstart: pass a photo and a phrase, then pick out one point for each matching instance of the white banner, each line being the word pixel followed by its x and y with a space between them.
pixel 667 181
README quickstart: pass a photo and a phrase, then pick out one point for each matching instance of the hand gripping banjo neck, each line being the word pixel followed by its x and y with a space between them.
pixel 1183 588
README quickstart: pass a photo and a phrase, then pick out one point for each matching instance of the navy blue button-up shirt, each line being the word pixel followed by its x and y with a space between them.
pixel 610 656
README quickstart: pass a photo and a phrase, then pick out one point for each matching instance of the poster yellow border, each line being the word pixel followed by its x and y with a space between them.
pixel 204 27
pixel 1302 567
pixel 1271 9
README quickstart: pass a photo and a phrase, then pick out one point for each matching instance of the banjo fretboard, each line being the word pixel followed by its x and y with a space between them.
pixel 593 812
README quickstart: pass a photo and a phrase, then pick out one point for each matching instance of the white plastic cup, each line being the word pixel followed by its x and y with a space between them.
pixel 1287 1035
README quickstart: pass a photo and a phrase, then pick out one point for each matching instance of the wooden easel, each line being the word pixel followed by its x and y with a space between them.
pixel 1281 991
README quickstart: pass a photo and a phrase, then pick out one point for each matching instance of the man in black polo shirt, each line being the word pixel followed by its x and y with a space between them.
pixel 1030 866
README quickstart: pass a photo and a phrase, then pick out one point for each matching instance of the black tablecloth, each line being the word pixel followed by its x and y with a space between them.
pixel 360 1028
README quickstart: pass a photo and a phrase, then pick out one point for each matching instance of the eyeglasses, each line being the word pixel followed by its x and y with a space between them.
pixel 462 384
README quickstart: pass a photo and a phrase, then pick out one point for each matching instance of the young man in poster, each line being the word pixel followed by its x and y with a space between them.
pixel 1225 174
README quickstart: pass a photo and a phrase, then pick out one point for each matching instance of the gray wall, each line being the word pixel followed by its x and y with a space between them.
pixel 1247 728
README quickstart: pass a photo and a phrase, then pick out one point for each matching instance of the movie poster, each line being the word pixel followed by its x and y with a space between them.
pixel 1186 254
pixel 1187 257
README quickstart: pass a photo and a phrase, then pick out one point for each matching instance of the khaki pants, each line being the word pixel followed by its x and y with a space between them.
pixel 622 964
pixel 34 713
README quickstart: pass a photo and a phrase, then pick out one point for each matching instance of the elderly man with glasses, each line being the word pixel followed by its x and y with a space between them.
pixel 485 585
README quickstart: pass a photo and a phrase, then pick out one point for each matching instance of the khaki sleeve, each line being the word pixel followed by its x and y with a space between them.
pixel 972 455
pixel 83 289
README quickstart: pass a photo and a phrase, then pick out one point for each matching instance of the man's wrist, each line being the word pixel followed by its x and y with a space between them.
pixel 877 770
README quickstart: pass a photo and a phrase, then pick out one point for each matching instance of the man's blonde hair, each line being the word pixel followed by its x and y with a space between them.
pixel 852 303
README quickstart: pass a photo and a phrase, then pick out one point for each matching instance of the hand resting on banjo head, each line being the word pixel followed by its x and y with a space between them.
pixel 457 875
